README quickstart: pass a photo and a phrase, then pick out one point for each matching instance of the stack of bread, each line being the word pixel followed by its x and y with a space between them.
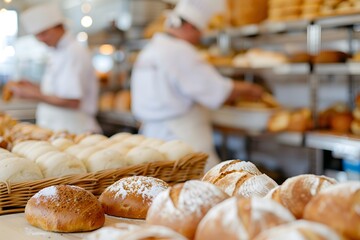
pixel 323 57
pixel 259 58
pixel 245 12
pixel 336 118
pixel 115 101
pixel 282 10
pixel 355 124
pixel 290 120
pixel 339 7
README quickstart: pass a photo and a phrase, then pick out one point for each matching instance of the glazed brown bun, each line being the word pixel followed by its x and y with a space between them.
pixel 341 122
pixel 182 206
pixel 296 192
pixel 337 207
pixel 65 208
pixel 131 197
pixel 240 178
pixel 330 56
pixel 301 229
pixel 241 218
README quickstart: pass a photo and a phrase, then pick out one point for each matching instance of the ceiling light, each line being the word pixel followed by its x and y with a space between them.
pixel 85 7
pixel 106 49
pixel 7 1
pixel 82 37
pixel 86 21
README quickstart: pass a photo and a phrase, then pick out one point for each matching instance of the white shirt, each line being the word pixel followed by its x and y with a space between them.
pixel 169 77
pixel 70 75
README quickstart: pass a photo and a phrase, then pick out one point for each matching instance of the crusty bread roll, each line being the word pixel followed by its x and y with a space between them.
pixel 105 159
pixel 131 197
pixel 175 150
pixel 62 143
pixel 296 192
pixel 92 139
pixel 337 207
pixel 65 208
pixel 58 164
pixel 301 230
pixel 141 154
pixel 16 169
pixel 241 218
pixel 120 136
pixel 341 122
pixel 135 232
pixel 279 121
pixel 182 206
pixel 239 178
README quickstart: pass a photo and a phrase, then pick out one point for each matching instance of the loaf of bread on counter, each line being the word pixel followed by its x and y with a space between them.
pixel 296 192
pixel 301 229
pixel 131 197
pixel 337 207
pixel 65 208
pixel 182 206
pixel 240 178
pixel 241 218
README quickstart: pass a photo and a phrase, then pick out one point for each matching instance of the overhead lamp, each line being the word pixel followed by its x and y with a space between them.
pixel 7 1
pixel 106 49
pixel 86 21
pixel 82 36
pixel 85 7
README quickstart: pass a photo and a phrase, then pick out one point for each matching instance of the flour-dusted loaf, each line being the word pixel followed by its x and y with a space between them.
pixel 122 231
pixel 300 230
pixel 240 178
pixel 296 192
pixel 338 207
pixel 131 197
pixel 65 208
pixel 175 150
pixel 16 169
pixel 240 218
pixel 182 206
pixel 143 154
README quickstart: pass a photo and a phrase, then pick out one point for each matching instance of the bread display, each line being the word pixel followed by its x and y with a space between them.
pixel 92 139
pixel 182 206
pixel 142 154
pixel 337 207
pixel 175 150
pixel 135 232
pixel 62 143
pixel 296 192
pixel 259 58
pixel 240 218
pixel 105 159
pixel 298 120
pixel 131 197
pixel 16 169
pixel 119 101
pixel 330 56
pixel 304 230
pixel 65 208
pixel 239 178
pixel 245 12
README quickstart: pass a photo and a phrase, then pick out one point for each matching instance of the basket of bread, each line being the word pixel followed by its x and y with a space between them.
pixel 36 158
pixel 233 200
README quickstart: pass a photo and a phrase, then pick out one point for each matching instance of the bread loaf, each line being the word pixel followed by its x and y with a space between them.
pixel 296 192
pixel 302 230
pixel 338 207
pixel 241 218
pixel 131 197
pixel 65 208
pixel 105 159
pixel 175 150
pixel 330 56
pixel 182 206
pixel 16 169
pixel 142 154
pixel 123 231
pixel 239 178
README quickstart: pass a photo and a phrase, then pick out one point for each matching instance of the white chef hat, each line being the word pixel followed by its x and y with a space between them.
pixel 199 12
pixel 41 17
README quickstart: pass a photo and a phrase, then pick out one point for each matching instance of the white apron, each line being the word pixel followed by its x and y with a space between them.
pixel 194 128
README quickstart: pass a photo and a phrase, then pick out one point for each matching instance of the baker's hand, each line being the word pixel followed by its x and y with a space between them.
pixel 26 90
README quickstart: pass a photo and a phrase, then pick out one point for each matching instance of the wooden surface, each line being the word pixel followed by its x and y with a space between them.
pixel 15 226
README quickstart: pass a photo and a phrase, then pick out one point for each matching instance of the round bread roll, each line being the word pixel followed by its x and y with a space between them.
pixel 121 147
pixel 75 149
pixel 152 142
pixel 175 150
pixel 356 113
pixel 36 152
pixel 182 206
pixel 92 139
pixel 5 155
pixel 301 230
pixel 355 127
pixel 15 170
pixel 120 136
pixel 22 148
pixel 338 207
pixel 58 164
pixel 135 139
pixel 131 197
pixel 296 192
pixel 87 152
pixel 135 232
pixel 105 159
pixel 141 154
pixel 241 218
pixel 105 143
pixel 239 178
pixel 65 208
pixel 62 143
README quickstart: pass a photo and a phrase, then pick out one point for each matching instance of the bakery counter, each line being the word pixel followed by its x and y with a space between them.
pixel 340 145
pixel 15 226
pixel 126 119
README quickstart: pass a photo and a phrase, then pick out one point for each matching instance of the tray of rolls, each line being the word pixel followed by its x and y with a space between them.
pixel 34 158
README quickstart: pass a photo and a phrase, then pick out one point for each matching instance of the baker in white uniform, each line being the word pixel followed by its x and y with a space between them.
pixel 173 87
pixel 68 93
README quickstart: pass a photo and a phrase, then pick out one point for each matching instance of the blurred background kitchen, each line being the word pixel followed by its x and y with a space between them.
pixel 304 52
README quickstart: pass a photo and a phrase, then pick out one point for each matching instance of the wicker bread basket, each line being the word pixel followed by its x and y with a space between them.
pixel 13 197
